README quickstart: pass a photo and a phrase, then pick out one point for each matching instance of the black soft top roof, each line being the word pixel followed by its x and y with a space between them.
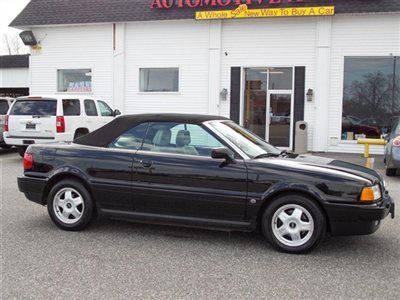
pixel 108 133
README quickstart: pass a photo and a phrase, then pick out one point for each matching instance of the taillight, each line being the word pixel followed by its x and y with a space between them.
pixel 28 161
pixel 60 124
pixel 6 123
pixel 396 142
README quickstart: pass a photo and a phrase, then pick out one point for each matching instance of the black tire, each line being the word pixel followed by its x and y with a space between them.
pixel 88 212
pixel 5 146
pixel 21 151
pixel 391 172
pixel 314 237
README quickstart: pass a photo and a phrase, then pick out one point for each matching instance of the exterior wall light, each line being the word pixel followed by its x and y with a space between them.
pixel 310 95
pixel 224 94
pixel 28 38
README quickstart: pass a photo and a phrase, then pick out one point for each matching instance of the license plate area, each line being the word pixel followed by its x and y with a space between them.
pixel 30 126
pixel 28 142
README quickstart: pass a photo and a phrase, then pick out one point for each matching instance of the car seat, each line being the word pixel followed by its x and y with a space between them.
pixel 162 140
pixel 183 140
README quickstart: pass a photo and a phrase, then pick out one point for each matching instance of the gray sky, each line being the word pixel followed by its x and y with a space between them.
pixel 9 9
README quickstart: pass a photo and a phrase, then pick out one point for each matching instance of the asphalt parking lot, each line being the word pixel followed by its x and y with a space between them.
pixel 118 260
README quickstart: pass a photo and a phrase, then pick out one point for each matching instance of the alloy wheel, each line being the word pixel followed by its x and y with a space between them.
pixel 68 205
pixel 292 225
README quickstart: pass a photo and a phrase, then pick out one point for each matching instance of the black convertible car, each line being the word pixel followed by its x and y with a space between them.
pixel 203 171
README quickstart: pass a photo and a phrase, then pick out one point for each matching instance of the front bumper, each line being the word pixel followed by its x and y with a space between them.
pixel 358 219
pixel 33 188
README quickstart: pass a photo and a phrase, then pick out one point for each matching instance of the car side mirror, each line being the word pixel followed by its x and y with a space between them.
pixel 223 153
pixel 116 112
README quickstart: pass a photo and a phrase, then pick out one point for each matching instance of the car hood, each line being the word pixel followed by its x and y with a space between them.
pixel 329 166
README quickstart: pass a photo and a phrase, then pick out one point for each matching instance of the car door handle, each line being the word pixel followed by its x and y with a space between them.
pixel 146 163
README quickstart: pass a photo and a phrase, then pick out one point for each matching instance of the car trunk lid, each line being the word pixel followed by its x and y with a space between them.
pixel 33 118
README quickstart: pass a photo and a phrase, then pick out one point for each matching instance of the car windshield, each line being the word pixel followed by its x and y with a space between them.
pixel 246 141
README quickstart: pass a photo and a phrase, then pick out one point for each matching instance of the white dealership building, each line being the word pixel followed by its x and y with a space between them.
pixel 334 64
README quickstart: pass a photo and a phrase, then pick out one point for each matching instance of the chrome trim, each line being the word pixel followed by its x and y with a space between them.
pixel 30 137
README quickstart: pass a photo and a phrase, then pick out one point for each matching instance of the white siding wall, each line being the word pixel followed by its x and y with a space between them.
pixel 270 43
pixel 70 47
pixel 362 35
pixel 14 78
pixel 193 47
pixel 182 44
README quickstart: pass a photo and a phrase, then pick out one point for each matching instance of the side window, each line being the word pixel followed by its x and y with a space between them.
pixel 132 139
pixel 3 107
pixel 71 107
pixel 90 108
pixel 179 138
pixel 105 110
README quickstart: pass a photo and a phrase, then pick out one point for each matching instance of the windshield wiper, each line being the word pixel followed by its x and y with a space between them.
pixel 283 153
pixel 266 155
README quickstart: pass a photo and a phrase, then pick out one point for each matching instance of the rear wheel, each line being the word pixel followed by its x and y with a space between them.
pixel 80 133
pixel 70 205
pixel 294 224
pixel 21 150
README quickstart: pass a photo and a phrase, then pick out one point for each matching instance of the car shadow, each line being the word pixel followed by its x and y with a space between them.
pixel 332 247
pixel 7 151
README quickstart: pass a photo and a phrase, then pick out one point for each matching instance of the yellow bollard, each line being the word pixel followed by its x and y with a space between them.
pixel 367 142
pixel 366 150
pixel 369 162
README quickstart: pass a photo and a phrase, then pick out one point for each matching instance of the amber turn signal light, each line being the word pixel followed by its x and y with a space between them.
pixel 371 193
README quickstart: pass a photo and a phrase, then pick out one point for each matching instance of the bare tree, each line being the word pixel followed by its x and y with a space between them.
pixel 12 44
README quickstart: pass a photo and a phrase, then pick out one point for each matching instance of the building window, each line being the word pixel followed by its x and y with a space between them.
pixel 371 96
pixel 75 80
pixel 159 80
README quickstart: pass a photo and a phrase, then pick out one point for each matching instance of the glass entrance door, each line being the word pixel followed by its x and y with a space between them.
pixel 280 115
pixel 268 104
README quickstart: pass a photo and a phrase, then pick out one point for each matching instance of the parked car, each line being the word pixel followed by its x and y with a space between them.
pixel 353 124
pixel 204 171
pixel 392 149
pixel 5 103
pixel 46 119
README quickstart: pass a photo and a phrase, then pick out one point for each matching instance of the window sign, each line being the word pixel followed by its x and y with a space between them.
pixel 75 80
pixel 371 96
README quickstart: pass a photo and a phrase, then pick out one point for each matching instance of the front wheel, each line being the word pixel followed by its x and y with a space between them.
pixel 294 224
pixel 70 205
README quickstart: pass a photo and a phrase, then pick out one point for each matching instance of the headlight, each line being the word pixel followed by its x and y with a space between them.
pixel 371 193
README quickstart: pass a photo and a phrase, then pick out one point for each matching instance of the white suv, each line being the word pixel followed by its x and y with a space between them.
pixel 46 119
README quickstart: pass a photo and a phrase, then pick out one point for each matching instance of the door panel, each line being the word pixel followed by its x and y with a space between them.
pixel 280 118
pixel 189 186
pixel 110 172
